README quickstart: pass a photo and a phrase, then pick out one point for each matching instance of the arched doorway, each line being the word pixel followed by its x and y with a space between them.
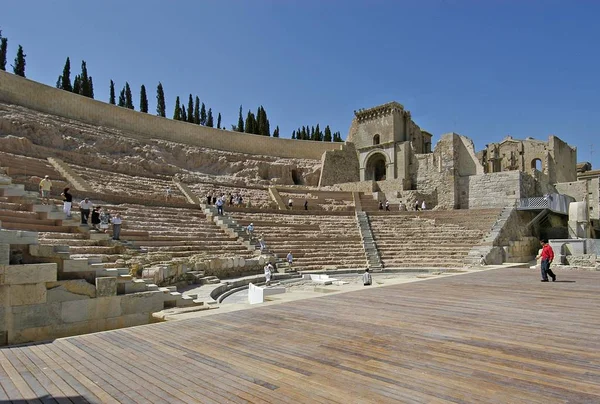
pixel 375 168
pixel 536 164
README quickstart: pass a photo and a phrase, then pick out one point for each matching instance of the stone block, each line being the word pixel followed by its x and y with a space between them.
pixel 38 315
pixel 144 302
pixel 18 237
pixel 106 286
pixel 4 295
pixel 29 273
pixel 108 307
pixel 4 254
pixel 77 286
pixel 48 251
pixel 27 294
pixel 79 310
pixel 59 294
pixel 76 265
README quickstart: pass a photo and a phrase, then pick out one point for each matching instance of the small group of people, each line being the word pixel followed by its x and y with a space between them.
pixel 231 199
pixel 101 219
pixel 385 205
pixel 420 206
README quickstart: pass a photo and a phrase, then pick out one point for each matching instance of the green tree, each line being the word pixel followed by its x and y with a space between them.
pixel 3 50
pixel 59 82
pixel 112 93
pixel 240 125
pixel 190 110
pixel 19 66
pixel 318 134
pixel 160 101
pixel 293 134
pixel 250 122
pixel 91 87
pixel 203 115
pixel 262 122
pixel 66 77
pixel 183 114
pixel 327 137
pixel 337 137
pixel 197 111
pixel 85 81
pixel 209 119
pixel 177 112
pixel 122 98
pixel 143 99
pixel 276 131
pixel 77 85
pixel 128 97
pixel 219 121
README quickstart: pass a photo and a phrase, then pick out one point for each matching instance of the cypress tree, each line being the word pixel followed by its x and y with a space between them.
pixel 203 115
pixel 250 119
pixel 91 88
pixel 197 111
pixel 327 137
pixel 122 98
pixel 219 121
pixel 293 134
pixel 318 136
pixel 3 50
pixel 143 99
pixel 183 114
pixel 177 112
pixel 190 110
pixel 66 76
pixel 312 133
pixel 85 80
pixel 276 131
pixel 77 85
pixel 112 93
pixel 128 97
pixel 259 125
pixel 59 82
pixel 19 66
pixel 209 119
pixel 160 101
pixel 240 125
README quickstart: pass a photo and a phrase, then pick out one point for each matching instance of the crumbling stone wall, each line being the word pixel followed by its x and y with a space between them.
pixel 339 166
pixel 490 190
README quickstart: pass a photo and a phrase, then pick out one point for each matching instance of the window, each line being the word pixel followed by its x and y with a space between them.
pixel 376 139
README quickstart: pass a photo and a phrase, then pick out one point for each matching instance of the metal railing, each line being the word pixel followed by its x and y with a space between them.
pixel 558 203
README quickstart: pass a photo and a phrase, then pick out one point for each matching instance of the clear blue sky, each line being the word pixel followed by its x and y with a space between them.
pixel 483 69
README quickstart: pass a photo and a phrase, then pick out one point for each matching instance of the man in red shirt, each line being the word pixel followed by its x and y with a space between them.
pixel 547 258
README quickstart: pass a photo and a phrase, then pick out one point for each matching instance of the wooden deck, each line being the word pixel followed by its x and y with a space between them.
pixel 497 336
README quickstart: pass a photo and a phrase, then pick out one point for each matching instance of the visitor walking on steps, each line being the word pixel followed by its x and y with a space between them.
pixel 261 242
pixel 219 204
pixel 417 205
pixel 387 205
pixel 250 230
pixel 67 201
pixel 547 256
pixel 104 220
pixel 117 221
pixel 290 259
pixel 85 207
pixel 290 203
pixel 45 188
pixel 367 280
pixel 168 193
pixel 96 217
pixel 423 206
pixel 268 273
pixel 305 204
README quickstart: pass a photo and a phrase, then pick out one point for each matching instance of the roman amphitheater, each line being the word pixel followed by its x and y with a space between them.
pixel 456 312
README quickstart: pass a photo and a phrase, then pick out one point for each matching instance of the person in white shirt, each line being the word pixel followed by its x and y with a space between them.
pixel 423 206
pixel 367 280
pixel 290 258
pixel 116 222
pixel 169 193
pixel 268 273
pixel 85 207
pixel 219 204
pixel 290 203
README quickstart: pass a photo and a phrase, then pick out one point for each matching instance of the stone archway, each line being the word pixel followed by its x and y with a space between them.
pixel 376 167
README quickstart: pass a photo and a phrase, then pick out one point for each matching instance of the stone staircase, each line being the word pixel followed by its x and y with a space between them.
pixel 373 259
pixel 72 178
pixel 430 239
pixel 317 241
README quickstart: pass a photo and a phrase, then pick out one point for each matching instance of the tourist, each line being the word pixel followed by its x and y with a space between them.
pixel 208 198
pixel 423 206
pixel 417 205
pixel 250 230
pixel 219 202
pixel 45 187
pixel 117 221
pixel 380 205
pixel 268 273
pixel 482 261
pixel 67 201
pixel 168 193
pixel 387 205
pixel 305 204
pixel 96 217
pixel 402 207
pixel 85 207
pixel 547 256
pixel 230 200
pixel 367 280
pixel 290 202
pixel 290 258
pixel 104 220
pixel 214 199
pixel 261 242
